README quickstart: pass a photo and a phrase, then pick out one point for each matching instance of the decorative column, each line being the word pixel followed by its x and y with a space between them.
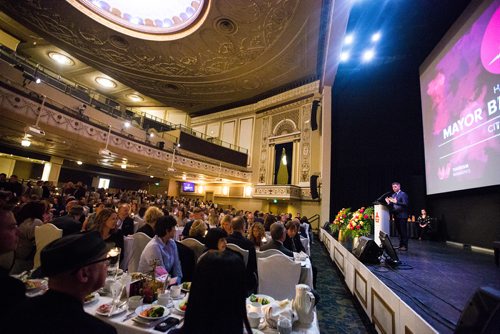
pixel 326 148
pixel 52 169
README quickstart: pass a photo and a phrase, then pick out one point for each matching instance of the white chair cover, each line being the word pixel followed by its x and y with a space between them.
pixel 305 243
pixel 197 247
pixel 139 242
pixel 269 252
pixel 278 275
pixel 44 234
pixel 240 250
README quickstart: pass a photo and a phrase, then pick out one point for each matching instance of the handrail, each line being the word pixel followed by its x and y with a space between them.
pixel 71 88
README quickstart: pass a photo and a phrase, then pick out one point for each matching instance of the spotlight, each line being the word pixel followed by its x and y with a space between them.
pixel 349 39
pixel 344 56
pixel 368 55
pixel 376 37
pixel 26 142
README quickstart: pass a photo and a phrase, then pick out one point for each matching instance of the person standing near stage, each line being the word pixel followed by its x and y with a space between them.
pixel 398 205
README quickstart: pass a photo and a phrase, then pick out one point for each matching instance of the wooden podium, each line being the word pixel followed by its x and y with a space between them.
pixel 382 221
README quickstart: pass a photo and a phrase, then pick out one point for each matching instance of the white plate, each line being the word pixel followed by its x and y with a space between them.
pixel 95 297
pixel 141 308
pixel 34 284
pixel 269 298
pixel 177 304
pixel 115 312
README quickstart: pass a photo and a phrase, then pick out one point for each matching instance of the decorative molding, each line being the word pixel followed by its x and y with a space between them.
pixel 277 191
pixel 339 258
pixel 382 305
pixel 264 146
pixel 362 295
pixel 13 103
pixel 305 145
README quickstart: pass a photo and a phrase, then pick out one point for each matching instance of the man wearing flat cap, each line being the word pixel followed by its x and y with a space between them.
pixel 76 266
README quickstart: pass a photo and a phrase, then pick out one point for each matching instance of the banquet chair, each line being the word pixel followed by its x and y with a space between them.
pixel 44 235
pixel 197 247
pixel 269 252
pixel 306 244
pixel 278 275
pixel 188 262
pixel 139 243
pixel 240 250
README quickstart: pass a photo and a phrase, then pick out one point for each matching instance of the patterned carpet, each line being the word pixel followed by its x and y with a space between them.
pixel 338 310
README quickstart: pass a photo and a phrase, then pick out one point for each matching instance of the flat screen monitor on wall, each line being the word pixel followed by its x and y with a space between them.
pixel 187 187
pixel 460 93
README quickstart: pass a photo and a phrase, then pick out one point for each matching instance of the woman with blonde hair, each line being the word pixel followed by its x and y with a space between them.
pixel 198 230
pixel 150 218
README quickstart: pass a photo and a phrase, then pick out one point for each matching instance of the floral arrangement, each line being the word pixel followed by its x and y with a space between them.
pixel 360 224
pixel 341 220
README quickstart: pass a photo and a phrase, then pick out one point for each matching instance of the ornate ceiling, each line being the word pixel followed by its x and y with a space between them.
pixel 244 49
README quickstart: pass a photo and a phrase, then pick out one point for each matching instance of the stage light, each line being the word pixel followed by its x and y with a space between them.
pixel 127 124
pixel 376 37
pixel 368 55
pixel 349 39
pixel 344 56
pixel 26 142
pixel 79 163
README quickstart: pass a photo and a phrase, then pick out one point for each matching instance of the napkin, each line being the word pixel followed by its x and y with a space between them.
pixel 274 310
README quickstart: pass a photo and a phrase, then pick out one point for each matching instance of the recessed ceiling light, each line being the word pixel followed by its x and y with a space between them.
pixel 25 142
pixel 135 98
pixel 151 176
pixel 344 56
pixel 61 59
pixel 123 166
pixel 349 39
pixel 184 177
pixel 376 37
pixel 368 55
pixel 105 82
pixel 126 124
pixel 79 163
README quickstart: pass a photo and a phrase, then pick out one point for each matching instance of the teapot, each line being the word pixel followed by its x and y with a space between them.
pixel 304 303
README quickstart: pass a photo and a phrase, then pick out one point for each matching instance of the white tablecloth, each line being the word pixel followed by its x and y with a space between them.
pixel 130 327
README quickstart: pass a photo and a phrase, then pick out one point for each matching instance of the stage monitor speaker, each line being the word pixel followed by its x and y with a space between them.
pixel 161 145
pixel 313 184
pixel 367 250
pixel 314 115
pixel 481 314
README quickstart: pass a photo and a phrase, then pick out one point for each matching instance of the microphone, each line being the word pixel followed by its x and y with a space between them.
pixel 379 200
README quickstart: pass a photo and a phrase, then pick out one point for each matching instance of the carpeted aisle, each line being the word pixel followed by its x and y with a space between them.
pixel 338 312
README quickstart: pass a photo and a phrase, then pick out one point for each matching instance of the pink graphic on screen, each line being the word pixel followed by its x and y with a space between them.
pixel 461 103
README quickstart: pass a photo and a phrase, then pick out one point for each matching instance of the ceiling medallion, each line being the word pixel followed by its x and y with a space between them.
pixel 147 19
pixel 105 82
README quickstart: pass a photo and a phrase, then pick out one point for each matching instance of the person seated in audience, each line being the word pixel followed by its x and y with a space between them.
pixel 225 224
pixel 105 224
pixel 125 222
pixel 162 249
pixel 12 290
pixel 292 240
pixel 196 214
pixel 423 224
pixel 213 219
pixel 150 218
pixel 70 223
pixel 237 238
pixel 278 235
pixel 198 230
pixel 76 266
pixel 30 216
pixel 268 221
pixel 216 303
pixel 216 240
pixel 88 224
pixel 256 235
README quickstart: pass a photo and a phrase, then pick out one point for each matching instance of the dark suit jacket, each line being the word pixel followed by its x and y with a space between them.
pixel 399 209
pixel 68 224
pixel 187 227
pixel 238 239
pixel 128 226
pixel 148 230
pixel 289 244
pixel 273 244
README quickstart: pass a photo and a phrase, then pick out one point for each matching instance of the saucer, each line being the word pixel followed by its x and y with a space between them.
pixel 182 295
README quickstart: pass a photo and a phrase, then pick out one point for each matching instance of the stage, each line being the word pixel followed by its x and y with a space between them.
pixel 426 294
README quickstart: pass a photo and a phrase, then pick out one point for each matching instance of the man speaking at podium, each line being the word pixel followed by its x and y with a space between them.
pixel 398 205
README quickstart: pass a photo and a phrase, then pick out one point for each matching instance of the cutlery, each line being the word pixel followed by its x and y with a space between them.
pixel 128 316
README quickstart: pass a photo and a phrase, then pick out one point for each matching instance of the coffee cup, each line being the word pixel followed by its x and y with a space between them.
pixel 254 319
pixel 164 299
pixel 134 302
pixel 175 291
